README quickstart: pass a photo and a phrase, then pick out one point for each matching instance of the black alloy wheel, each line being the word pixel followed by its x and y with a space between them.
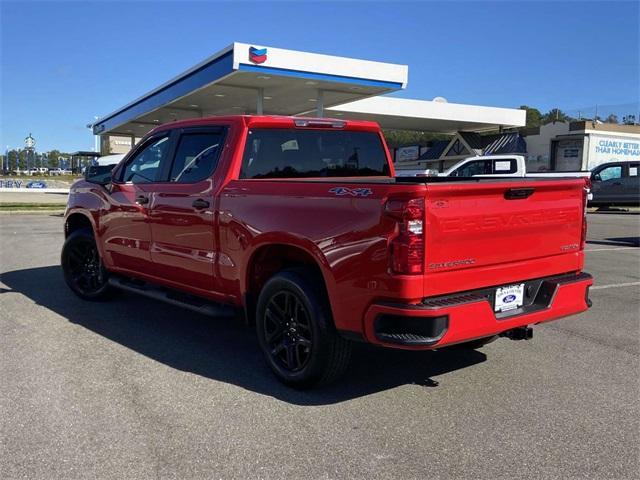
pixel 288 332
pixel 83 269
pixel 296 332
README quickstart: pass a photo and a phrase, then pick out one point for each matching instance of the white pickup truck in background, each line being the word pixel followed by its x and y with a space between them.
pixel 488 166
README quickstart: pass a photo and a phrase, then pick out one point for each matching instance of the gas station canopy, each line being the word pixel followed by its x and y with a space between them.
pixel 430 116
pixel 244 79
pixel 248 79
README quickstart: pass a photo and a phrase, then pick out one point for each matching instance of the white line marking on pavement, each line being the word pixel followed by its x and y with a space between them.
pixel 614 285
pixel 607 249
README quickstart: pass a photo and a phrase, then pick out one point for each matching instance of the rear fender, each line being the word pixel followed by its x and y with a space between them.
pixel 284 238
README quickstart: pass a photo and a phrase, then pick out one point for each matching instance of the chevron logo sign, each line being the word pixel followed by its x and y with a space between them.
pixel 257 55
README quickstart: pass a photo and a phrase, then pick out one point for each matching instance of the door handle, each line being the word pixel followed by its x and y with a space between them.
pixel 518 193
pixel 142 200
pixel 617 184
pixel 200 203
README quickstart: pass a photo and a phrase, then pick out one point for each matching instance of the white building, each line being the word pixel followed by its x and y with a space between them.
pixel 564 146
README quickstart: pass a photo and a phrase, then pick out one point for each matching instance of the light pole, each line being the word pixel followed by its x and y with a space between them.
pixel 96 139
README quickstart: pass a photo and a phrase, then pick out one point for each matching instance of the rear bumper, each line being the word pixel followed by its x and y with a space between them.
pixel 451 319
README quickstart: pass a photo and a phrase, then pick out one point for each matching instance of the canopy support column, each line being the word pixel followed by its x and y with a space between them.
pixel 260 103
pixel 320 104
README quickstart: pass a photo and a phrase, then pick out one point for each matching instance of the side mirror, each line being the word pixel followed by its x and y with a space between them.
pixel 597 177
pixel 99 174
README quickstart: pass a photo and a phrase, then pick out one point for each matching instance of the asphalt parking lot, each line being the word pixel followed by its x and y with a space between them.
pixel 132 389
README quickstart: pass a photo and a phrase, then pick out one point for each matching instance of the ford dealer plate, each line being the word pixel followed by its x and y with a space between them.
pixel 509 298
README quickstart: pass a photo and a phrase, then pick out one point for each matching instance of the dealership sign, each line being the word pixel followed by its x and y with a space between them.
pixel 605 149
pixel 408 153
pixel 8 183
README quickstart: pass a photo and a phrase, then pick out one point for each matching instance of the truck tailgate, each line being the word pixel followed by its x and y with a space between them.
pixel 484 223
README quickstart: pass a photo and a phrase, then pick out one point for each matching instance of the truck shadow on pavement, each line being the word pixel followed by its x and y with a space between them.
pixel 615 211
pixel 225 349
pixel 617 242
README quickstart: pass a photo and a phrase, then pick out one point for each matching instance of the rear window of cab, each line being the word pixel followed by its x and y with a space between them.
pixel 290 153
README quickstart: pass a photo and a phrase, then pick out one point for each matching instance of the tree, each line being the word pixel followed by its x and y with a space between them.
pixel 555 115
pixel 399 138
pixel 534 117
pixel 13 159
pixel 612 118
pixel 23 159
pixel 629 119
pixel 52 158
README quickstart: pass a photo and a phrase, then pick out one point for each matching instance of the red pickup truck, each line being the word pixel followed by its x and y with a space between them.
pixel 299 226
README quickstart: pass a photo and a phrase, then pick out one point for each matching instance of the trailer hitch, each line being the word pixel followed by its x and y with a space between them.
pixel 520 333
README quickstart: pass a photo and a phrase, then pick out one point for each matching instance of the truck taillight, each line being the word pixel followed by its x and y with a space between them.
pixel 407 247
pixel 585 199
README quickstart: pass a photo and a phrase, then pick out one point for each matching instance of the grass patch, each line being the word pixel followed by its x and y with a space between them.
pixel 32 206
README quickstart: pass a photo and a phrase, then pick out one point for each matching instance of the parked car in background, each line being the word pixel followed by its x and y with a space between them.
pixel 488 166
pixel 420 172
pixel 37 171
pixel 502 165
pixel 615 183
pixel 59 171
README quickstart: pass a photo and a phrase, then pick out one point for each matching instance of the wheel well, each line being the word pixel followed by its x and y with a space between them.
pixel 268 260
pixel 75 222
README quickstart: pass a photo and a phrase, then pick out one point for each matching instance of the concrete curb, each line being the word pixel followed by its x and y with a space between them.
pixel 33 190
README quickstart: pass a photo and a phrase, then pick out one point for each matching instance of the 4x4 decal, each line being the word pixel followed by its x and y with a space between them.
pixel 354 192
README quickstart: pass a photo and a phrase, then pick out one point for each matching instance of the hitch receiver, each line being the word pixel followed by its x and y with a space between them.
pixel 520 333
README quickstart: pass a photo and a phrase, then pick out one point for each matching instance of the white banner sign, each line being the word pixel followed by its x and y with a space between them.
pixel 603 149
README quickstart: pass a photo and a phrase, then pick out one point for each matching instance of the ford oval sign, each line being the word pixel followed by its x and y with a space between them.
pixel 509 299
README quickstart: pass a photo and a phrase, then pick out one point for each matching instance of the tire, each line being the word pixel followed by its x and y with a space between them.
pixel 296 332
pixel 475 344
pixel 82 267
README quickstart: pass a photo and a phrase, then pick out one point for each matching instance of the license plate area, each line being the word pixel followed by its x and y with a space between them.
pixel 510 297
pixel 538 295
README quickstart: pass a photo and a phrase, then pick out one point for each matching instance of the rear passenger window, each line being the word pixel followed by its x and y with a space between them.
pixel 478 167
pixel 290 153
pixel 196 156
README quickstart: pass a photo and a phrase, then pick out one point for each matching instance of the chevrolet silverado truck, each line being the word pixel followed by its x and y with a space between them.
pixel 299 226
